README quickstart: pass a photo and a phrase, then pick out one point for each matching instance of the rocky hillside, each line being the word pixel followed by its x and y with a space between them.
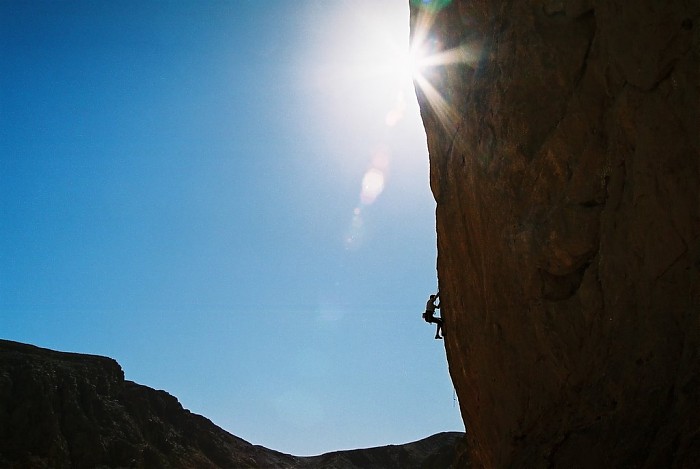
pixel 66 410
pixel 437 451
pixel 564 141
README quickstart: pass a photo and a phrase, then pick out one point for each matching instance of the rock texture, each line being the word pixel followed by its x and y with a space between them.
pixel 564 156
pixel 66 410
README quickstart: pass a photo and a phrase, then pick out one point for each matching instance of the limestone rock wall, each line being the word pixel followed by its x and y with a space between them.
pixel 565 163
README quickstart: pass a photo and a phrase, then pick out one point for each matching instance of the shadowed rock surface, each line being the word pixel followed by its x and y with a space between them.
pixel 437 451
pixel 68 410
pixel 564 161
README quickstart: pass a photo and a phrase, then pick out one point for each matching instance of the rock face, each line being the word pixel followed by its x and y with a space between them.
pixel 66 410
pixel 564 153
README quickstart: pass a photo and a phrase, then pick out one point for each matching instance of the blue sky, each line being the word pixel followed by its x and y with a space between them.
pixel 231 199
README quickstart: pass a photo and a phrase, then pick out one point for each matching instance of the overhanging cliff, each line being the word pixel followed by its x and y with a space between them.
pixel 564 156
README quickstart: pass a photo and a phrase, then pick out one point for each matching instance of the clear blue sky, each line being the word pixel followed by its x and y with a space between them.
pixel 231 199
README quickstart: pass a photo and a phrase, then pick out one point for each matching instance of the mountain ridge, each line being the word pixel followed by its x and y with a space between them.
pixel 65 409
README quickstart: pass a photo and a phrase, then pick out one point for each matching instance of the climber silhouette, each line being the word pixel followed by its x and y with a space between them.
pixel 429 314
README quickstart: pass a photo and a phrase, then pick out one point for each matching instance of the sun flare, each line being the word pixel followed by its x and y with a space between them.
pixel 429 59
pixel 369 83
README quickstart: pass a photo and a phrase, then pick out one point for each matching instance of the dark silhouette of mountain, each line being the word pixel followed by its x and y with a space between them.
pixel 564 141
pixel 437 451
pixel 69 410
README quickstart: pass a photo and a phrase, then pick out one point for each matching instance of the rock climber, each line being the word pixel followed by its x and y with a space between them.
pixel 429 314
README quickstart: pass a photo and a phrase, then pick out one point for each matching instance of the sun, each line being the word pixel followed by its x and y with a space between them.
pixel 428 58
pixel 365 71
pixel 411 61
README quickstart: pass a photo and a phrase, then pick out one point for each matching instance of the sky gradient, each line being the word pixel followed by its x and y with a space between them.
pixel 230 198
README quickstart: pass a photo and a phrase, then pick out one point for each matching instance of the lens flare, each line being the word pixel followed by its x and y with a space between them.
pixel 372 186
pixel 356 235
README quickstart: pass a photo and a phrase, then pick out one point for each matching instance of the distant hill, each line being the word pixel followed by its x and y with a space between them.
pixel 437 451
pixel 68 410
